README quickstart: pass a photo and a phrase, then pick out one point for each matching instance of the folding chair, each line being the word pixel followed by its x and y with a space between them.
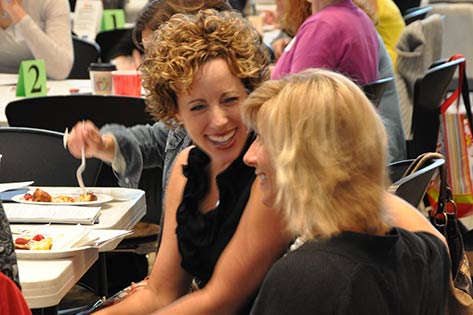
pixel 412 187
pixel 375 90
pixel 414 14
pixel 39 155
pixel 60 112
pixel 85 52
pixel 429 93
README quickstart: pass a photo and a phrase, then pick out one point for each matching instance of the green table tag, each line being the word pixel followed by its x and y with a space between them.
pixel 31 78
pixel 113 19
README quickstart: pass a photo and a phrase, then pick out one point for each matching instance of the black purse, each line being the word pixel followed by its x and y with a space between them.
pixel 444 219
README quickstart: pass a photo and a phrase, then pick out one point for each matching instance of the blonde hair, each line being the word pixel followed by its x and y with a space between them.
pixel 328 148
pixel 182 45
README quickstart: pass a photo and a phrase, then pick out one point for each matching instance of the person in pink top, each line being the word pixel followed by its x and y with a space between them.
pixel 337 36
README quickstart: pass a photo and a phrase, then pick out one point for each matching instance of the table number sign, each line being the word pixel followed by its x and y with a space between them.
pixel 87 18
pixel 31 78
pixel 113 19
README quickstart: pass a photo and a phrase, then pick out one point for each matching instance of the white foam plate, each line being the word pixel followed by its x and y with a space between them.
pixel 49 254
pixel 101 198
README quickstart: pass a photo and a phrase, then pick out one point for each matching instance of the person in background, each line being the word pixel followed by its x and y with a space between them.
pixel 390 25
pixel 31 29
pixel 246 7
pixel 215 230
pixel 389 107
pixel 293 16
pixel 353 53
pixel 320 156
pixel 127 53
pixel 290 17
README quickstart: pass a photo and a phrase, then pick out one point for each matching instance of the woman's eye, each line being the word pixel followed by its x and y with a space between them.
pixel 229 100
pixel 197 107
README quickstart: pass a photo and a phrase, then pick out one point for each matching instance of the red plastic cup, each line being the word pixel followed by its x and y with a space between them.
pixel 126 82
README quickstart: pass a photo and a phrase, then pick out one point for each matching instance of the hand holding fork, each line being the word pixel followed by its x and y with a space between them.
pixel 82 166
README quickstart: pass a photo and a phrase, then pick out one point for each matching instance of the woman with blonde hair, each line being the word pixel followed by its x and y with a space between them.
pixel 320 156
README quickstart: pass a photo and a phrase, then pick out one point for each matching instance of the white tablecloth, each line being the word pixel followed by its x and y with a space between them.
pixel 46 282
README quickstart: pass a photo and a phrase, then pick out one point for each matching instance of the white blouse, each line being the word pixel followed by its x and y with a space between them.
pixel 44 33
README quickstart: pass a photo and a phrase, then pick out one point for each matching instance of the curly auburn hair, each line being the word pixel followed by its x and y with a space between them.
pixel 181 46
pixel 295 13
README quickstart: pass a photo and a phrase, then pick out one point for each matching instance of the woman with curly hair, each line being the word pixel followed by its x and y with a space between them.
pixel 198 69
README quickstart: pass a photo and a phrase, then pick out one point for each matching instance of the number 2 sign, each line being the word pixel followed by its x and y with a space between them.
pixel 31 78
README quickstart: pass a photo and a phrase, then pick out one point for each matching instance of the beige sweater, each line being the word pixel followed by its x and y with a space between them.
pixel 45 33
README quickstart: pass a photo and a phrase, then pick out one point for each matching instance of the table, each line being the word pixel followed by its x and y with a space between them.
pixel 46 282
pixel 61 87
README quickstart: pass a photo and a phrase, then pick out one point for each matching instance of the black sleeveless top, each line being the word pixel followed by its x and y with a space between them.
pixel 202 237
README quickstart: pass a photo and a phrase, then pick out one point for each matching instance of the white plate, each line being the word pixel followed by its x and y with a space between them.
pixel 15 185
pixel 49 254
pixel 101 198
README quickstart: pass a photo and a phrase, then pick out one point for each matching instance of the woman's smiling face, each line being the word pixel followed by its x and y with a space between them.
pixel 210 112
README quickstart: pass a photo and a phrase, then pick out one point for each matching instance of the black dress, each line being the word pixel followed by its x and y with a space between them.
pixel 203 236
pixel 8 264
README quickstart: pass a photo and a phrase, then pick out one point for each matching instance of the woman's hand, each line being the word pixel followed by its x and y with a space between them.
pixel 95 145
pixel 13 9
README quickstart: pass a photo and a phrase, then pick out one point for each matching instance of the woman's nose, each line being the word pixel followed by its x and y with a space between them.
pixel 250 156
pixel 219 116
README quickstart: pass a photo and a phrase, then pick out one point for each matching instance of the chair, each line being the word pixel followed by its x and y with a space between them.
pixel 60 112
pixel 458 18
pixel 375 90
pixel 412 187
pixel 107 40
pixel 429 93
pixel 85 53
pixel 39 155
pixel 417 13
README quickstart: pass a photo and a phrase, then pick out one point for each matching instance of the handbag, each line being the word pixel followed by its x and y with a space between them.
pixel 455 142
pixel 444 218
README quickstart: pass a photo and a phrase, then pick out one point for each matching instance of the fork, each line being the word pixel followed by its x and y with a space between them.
pixel 81 167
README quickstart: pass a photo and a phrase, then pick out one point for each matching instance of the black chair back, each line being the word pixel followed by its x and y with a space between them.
pixel 60 112
pixel 39 155
pixel 417 13
pixel 429 93
pixel 375 90
pixel 85 52
pixel 412 187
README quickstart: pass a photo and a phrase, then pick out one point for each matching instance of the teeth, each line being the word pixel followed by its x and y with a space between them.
pixel 224 138
pixel 262 177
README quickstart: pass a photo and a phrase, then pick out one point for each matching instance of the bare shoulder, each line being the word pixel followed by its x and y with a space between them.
pixel 407 217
